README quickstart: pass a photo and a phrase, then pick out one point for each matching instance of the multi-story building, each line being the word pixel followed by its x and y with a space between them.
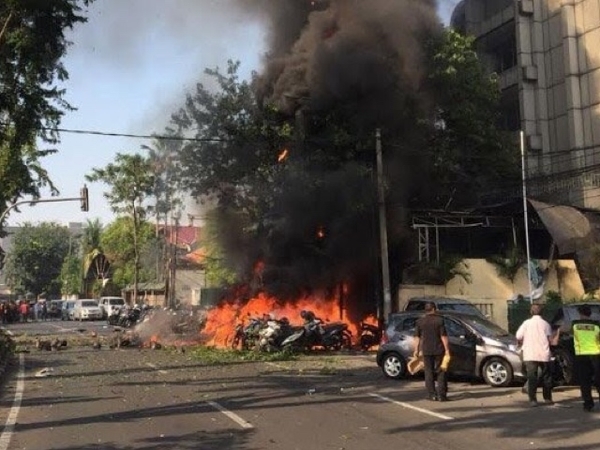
pixel 547 57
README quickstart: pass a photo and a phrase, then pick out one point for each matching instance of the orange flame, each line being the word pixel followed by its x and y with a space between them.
pixel 283 155
pixel 320 232
pixel 222 320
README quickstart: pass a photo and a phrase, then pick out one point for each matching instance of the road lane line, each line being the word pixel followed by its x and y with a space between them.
pixel 155 367
pixel 414 408
pixel 237 419
pixel 9 426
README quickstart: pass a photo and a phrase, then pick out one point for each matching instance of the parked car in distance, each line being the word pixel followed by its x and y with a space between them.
pixel 479 347
pixel 55 309
pixel 86 309
pixel 444 304
pixel 110 304
pixel 564 352
pixel 66 312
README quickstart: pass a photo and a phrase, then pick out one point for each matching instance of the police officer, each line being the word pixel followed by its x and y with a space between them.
pixel 586 339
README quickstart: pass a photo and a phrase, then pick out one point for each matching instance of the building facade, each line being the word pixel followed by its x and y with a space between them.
pixel 546 54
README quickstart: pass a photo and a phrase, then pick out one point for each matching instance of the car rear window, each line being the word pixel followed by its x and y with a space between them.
pixel 116 301
pixel 89 304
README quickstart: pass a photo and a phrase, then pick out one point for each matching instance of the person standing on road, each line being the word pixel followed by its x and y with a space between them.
pixel 535 335
pixel 586 340
pixel 431 341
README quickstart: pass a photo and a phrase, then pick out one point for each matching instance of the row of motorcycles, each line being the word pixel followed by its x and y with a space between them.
pixel 268 334
pixel 127 316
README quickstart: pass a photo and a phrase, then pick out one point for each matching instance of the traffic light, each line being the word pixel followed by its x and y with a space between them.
pixel 84 199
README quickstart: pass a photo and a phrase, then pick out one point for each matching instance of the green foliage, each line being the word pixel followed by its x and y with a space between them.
pixel 32 44
pixel 36 258
pixel 131 179
pixel 508 266
pixel 118 245
pixel 470 155
pixel 163 156
pixel 554 298
pixel 214 356
pixel 71 275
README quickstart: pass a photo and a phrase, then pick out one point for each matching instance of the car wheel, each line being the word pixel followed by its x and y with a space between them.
pixel 497 372
pixel 563 367
pixel 393 366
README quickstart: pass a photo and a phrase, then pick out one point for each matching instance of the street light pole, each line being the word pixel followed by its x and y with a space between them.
pixel 385 265
pixel 525 215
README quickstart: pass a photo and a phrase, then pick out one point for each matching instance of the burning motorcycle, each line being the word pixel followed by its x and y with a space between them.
pixel 370 336
pixel 314 333
pixel 247 336
pixel 273 334
pixel 335 336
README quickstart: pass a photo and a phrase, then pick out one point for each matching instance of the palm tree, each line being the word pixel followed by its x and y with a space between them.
pixel 95 264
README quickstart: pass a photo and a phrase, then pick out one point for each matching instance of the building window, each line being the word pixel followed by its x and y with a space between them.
pixel 493 7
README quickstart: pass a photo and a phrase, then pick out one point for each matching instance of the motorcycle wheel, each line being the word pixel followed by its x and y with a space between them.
pixel 347 341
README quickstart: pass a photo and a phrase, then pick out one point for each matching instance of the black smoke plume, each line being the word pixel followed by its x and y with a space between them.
pixel 364 59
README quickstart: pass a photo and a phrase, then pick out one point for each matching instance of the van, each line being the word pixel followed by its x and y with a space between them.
pixel 109 305
pixel 66 312
pixel 86 309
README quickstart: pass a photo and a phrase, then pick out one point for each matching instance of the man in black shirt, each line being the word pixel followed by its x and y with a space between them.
pixel 431 341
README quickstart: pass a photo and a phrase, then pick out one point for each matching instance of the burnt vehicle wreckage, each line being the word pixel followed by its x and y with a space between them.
pixel 269 334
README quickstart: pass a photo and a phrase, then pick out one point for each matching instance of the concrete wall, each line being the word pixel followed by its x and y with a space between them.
pixel 487 287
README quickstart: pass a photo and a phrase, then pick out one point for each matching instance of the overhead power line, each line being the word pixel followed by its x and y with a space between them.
pixel 136 136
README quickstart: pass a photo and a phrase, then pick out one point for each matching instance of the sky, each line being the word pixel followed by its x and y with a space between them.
pixel 130 67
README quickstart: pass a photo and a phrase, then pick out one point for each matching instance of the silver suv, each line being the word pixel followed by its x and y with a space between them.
pixel 479 348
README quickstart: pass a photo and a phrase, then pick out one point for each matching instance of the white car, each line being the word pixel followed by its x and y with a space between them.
pixel 86 309
pixel 110 305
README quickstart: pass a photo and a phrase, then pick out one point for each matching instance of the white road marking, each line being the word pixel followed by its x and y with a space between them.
pixel 9 426
pixel 237 419
pixel 156 368
pixel 414 408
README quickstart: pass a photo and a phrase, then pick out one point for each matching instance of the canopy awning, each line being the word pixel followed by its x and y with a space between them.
pixel 570 229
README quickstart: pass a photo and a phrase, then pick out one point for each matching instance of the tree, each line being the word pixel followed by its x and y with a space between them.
pixel 471 155
pixel 36 257
pixel 95 267
pixel 131 179
pixel 32 44
pixel 301 188
pixel 71 275
pixel 119 249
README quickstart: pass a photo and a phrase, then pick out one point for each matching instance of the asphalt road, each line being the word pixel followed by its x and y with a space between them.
pixel 163 399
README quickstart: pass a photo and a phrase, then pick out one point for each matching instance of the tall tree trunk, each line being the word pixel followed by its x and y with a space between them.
pixel 136 253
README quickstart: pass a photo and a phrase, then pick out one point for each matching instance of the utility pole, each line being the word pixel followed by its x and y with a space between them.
pixel 385 264
pixel 173 272
pixel 525 215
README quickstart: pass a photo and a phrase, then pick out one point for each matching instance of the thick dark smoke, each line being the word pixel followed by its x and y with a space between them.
pixel 325 52
pixel 367 56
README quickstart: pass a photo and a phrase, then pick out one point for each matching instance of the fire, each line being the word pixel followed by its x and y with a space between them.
pixel 320 232
pixel 222 320
pixel 283 155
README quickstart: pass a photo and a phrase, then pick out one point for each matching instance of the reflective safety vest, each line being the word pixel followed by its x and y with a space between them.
pixel 586 337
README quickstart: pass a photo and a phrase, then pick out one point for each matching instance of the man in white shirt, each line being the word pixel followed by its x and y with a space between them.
pixel 535 335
